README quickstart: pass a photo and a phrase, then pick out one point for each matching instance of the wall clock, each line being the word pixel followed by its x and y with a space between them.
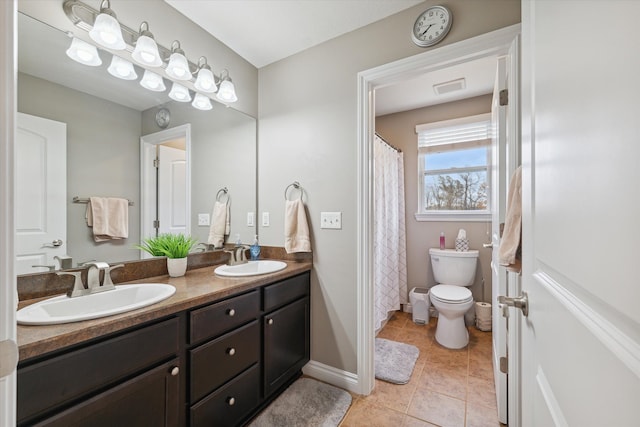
pixel 431 26
pixel 163 116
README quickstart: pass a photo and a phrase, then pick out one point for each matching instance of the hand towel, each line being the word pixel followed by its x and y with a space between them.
pixel 109 217
pixel 296 229
pixel 220 224
pixel 510 241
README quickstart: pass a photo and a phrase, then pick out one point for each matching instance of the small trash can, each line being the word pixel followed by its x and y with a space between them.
pixel 420 303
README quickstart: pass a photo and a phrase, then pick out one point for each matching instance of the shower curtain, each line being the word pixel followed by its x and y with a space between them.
pixel 389 247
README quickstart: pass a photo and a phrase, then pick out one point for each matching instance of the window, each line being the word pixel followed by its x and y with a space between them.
pixel 454 163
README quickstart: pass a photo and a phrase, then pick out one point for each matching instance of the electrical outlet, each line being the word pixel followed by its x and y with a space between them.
pixel 250 219
pixel 265 219
pixel 203 219
pixel 331 220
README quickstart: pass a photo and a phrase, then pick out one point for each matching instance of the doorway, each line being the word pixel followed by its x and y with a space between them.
pixel 496 44
pixel 165 182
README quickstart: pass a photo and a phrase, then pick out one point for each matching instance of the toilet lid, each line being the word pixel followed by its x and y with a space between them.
pixel 450 293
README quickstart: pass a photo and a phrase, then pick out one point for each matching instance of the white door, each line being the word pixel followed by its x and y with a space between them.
pixel 172 212
pixel 41 192
pixel 498 207
pixel 581 133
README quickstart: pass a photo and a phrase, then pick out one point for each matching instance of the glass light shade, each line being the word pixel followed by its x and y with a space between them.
pixel 205 81
pixel 202 102
pixel 146 52
pixel 179 93
pixel 152 81
pixel 84 53
pixel 106 32
pixel 122 69
pixel 178 67
pixel 227 92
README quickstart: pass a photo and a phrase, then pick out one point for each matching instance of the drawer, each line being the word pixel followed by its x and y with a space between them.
pixel 214 363
pixel 68 376
pixel 231 404
pixel 223 316
pixel 286 291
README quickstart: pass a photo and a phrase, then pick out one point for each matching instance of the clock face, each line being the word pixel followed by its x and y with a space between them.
pixel 163 117
pixel 431 26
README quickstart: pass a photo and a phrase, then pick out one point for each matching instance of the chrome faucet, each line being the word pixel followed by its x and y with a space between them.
pixel 238 255
pixel 93 279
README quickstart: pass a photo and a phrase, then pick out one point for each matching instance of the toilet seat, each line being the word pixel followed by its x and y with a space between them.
pixel 451 294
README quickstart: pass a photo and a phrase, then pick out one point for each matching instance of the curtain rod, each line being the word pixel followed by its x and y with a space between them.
pixel 386 142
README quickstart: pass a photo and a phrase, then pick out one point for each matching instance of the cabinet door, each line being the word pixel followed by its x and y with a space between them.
pixel 286 343
pixel 150 399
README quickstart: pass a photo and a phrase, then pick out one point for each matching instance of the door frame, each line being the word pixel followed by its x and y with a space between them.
pixel 490 44
pixel 148 145
pixel 8 294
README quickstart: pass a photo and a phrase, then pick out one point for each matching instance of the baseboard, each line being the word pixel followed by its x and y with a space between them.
pixel 329 374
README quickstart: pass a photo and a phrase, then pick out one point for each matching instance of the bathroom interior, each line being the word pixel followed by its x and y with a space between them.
pixel 241 151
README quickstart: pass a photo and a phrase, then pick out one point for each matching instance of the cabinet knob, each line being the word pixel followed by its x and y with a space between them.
pixel 175 371
pixel 231 312
pixel 270 321
pixel 231 401
pixel 231 351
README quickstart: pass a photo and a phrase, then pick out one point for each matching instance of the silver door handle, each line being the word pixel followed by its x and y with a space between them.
pixel 53 244
pixel 487 245
pixel 521 302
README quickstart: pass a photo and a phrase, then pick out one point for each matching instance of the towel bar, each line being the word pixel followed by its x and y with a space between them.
pixel 77 199
pixel 297 186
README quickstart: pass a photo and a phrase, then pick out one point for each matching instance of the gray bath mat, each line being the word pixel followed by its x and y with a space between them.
pixel 307 403
pixel 395 360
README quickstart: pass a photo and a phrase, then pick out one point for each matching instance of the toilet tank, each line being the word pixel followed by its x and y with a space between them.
pixel 451 267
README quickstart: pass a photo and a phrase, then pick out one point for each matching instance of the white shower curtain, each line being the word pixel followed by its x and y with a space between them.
pixel 390 249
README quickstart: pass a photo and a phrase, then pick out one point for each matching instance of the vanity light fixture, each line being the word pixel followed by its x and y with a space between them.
pixel 106 30
pixel 227 92
pixel 146 51
pixel 84 53
pixel 205 82
pixel 201 102
pixel 178 66
pixel 152 81
pixel 122 69
pixel 179 93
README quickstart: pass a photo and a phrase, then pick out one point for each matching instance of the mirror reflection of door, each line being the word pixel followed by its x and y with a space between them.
pixel 41 191
pixel 166 183
pixel 171 188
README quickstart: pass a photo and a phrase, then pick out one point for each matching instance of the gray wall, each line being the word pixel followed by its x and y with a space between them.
pixel 307 132
pixel 102 141
pixel 399 130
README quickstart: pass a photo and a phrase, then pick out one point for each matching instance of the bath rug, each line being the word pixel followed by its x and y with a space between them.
pixel 395 361
pixel 306 403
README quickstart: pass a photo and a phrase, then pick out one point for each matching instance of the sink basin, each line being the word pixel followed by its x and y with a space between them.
pixel 63 309
pixel 251 268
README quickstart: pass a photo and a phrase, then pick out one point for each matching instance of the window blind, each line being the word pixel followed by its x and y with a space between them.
pixel 472 128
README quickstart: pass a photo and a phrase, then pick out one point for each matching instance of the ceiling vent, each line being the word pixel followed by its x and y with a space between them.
pixel 448 87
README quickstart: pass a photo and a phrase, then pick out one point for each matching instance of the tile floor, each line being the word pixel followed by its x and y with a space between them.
pixel 447 388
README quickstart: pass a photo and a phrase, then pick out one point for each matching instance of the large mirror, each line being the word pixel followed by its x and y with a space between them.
pixel 102 120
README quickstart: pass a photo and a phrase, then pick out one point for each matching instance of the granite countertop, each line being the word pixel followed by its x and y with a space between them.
pixel 197 287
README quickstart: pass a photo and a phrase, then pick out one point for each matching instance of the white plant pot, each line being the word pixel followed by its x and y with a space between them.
pixel 177 266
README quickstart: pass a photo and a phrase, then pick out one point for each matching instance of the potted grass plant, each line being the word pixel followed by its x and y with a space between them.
pixel 175 247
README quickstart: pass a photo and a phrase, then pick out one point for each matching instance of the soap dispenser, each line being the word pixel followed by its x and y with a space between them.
pixel 255 249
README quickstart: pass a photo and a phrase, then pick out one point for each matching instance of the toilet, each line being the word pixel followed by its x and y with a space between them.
pixel 454 272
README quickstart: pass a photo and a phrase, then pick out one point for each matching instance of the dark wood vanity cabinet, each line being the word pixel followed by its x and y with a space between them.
pixel 218 364
pixel 108 382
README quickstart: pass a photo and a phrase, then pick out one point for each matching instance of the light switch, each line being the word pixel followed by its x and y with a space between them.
pixel 265 219
pixel 203 219
pixel 250 219
pixel 331 220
